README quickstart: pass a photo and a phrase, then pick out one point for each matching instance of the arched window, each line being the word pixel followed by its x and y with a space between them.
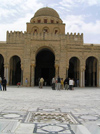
pixel 45 20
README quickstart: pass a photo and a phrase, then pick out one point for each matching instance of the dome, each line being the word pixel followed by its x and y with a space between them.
pixel 46 11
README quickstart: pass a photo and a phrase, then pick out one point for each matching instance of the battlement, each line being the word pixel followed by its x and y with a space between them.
pixel 74 36
pixel 15 37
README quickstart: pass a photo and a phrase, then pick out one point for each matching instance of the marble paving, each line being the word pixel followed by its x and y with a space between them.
pixel 46 111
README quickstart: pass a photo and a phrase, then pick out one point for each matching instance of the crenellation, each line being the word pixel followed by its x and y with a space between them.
pixel 15 37
pixel 73 37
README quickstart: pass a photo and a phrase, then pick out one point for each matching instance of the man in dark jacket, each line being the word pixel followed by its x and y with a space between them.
pixel 66 83
pixel 4 82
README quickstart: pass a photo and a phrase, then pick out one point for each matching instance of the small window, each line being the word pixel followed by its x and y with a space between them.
pixel 45 20
pixel 52 21
pixel 35 31
pixel 57 22
pixel 56 31
pixel 45 30
pixel 33 21
pixel 39 21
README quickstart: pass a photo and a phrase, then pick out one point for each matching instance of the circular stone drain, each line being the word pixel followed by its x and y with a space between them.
pixel 11 115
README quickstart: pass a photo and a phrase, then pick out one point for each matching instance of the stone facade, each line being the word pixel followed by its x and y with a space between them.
pixel 47 31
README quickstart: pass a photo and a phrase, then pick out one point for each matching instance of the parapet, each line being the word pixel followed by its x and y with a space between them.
pixel 15 37
pixel 74 37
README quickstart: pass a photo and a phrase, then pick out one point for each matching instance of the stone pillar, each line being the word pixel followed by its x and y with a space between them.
pixel 67 71
pixel 98 75
pixel 6 74
pixel 82 76
pixel 94 71
pixel 21 75
pixel 32 74
pixel 99 78
pixel 56 71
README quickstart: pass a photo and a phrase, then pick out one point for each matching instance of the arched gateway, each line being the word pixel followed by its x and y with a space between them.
pixel 44 66
pixel 91 72
pixel 15 70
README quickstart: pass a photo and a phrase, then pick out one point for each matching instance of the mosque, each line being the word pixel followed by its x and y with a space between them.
pixel 45 50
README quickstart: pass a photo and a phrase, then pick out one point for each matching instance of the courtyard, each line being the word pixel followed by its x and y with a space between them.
pixel 30 110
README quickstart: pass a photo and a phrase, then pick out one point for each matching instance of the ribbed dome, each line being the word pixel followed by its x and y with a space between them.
pixel 46 11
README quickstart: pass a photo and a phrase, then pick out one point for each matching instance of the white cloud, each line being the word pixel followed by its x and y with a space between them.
pixel 77 24
pixel 74 3
pixel 9 7
pixel 20 10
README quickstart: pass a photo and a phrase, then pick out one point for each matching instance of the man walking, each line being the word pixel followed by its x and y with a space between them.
pixel 4 82
pixel 53 83
pixel 58 83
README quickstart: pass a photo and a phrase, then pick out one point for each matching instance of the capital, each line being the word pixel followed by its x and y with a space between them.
pixel 33 65
pixel 82 68
pixel 67 67
pixel 56 66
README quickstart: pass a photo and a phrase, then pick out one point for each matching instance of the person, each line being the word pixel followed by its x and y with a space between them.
pixel 58 83
pixel 77 82
pixel 62 83
pixel 66 83
pixel 41 82
pixel 53 83
pixel 18 84
pixel 4 82
pixel 71 83
pixel 26 82
pixel 0 83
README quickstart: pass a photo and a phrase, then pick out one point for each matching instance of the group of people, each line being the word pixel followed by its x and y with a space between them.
pixel 59 83
pixel 3 83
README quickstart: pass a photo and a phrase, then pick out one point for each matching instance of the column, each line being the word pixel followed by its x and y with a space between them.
pixel 82 76
pixel 98 75
pixel 32 74
pixel 67 72
pixel 21 74
pixel 6 74
pixel 94 71
pixel 56 71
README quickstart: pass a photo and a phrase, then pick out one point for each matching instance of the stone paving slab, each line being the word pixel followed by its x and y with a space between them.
pixel 17 103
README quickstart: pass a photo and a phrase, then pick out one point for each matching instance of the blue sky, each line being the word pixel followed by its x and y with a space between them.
pixel 80 16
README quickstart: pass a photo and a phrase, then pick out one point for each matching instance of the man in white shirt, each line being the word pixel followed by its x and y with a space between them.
pixel 71 83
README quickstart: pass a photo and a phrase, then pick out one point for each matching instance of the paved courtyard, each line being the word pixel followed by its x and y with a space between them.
pixel 27 110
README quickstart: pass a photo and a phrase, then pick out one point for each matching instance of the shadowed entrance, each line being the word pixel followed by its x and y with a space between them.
pixel 73 71
pixel 1 66
pixel 45 66
pixel 91 72
pixel 15 70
